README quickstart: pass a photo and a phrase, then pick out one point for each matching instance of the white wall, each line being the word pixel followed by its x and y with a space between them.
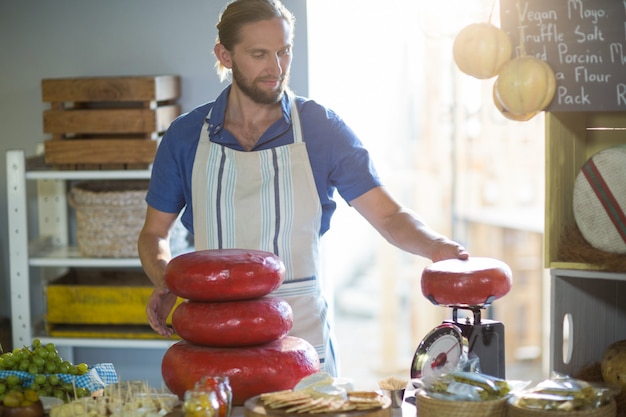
pixel 72 38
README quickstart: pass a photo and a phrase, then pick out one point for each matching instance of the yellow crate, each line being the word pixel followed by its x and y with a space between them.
pixel 135 332
pixel 571 139
pixel 95 297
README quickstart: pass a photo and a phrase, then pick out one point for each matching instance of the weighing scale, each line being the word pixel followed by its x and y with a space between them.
pixel 472 285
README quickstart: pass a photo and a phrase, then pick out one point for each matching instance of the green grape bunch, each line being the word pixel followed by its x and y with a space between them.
pixel 44 364
pixel 39 359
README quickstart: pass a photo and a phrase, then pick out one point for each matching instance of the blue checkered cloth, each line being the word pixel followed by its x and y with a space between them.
pixel 98 376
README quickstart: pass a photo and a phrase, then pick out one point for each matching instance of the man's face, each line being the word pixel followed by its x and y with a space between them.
pixel 262 59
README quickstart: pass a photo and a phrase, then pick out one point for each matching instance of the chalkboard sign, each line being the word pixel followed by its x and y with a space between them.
pixel 583 41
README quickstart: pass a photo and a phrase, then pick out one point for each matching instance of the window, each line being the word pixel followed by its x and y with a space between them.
pixel 441 147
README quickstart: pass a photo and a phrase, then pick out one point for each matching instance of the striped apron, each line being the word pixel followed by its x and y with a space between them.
pixel 267 200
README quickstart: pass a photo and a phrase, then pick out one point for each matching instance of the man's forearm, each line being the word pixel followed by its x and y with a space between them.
pixel 154 253
pixel 408 232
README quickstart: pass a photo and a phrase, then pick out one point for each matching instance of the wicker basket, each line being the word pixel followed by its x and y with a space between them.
pixel 434 407
pixel 609 410
pixel 109 216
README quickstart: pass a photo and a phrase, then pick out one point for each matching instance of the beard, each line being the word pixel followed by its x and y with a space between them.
pixel 256 94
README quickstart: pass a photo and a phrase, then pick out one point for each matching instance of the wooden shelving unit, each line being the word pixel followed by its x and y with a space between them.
pixel 587 305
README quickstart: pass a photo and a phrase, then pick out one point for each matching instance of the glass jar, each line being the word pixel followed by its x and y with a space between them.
pixel 211 396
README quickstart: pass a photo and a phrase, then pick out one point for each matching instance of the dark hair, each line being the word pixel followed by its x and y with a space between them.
pixel 241 12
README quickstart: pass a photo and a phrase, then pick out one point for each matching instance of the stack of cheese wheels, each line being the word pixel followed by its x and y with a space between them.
pixel 230 326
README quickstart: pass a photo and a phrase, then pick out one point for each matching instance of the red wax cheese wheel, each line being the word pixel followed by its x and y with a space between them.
pixel 233 323
pixel 472 282
pixel 254 370
pixel 224 274
pixel 599 200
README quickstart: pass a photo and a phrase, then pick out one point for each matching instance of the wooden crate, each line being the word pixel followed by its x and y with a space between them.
pixel 91 302
pixel 107 122
pixel 591 303
pixel 571 139
pixel 158 88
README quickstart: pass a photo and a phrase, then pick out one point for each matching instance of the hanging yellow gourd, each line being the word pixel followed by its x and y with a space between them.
pixel 508 114
pixel 525 85
pixel 480 50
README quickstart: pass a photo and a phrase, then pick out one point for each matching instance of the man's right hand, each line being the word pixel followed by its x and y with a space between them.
pixel 159 306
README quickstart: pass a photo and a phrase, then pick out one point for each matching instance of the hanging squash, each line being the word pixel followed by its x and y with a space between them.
pixel 480 50
pixel 525 85
pixel 508 114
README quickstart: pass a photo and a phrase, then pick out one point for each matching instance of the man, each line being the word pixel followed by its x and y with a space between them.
pixel 257 169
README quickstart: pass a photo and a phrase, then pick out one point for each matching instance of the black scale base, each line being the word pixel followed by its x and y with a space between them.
pixel 485 340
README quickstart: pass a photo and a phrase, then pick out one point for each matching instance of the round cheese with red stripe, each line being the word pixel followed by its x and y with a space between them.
pixel 599 200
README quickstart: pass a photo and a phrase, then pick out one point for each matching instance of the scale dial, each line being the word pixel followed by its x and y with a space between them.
pixel 439 352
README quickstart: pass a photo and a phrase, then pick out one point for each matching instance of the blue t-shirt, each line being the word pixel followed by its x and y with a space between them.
pixel 338 159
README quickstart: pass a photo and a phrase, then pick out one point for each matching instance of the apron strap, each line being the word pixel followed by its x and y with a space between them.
pixel 295 118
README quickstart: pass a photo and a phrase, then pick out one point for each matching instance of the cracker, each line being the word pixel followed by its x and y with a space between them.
pixel 333 406
pixel 363 394
pixel 281 399
pixel 301 402
pixel 312 403
pixel 275 394
pixel 366 400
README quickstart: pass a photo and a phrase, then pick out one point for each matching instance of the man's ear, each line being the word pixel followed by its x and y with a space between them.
pixel 223 55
